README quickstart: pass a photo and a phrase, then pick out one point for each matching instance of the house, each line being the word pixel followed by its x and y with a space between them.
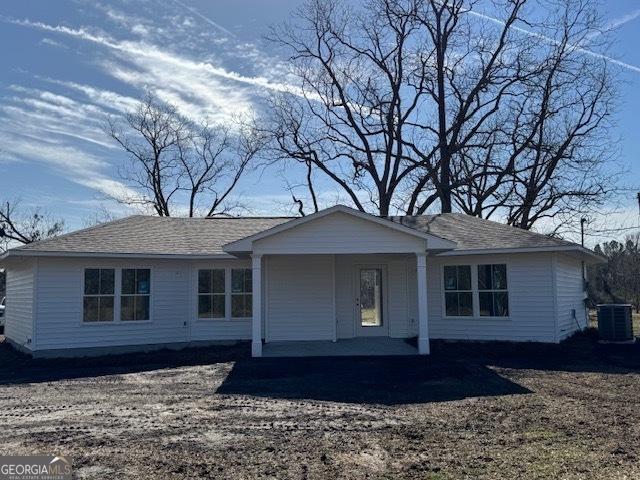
pixel 338 274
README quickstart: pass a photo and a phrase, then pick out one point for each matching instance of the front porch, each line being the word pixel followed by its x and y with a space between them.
pixel 348 347
pixel 339 305
pixel 339 282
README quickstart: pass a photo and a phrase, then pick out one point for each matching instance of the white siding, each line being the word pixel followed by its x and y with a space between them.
pixel 174 316
pixel 59 306
pixel 306 297
pixel 570 295
pixel 19 311
pixel 299 298
pixel 339 233
pixel 531 301
pixel 398 295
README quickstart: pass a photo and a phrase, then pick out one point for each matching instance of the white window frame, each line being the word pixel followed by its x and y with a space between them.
pixel 117 295
pixel 474 288
pixel 243 293
pixel 134 295
pixel 494 290
pixel 471 290
pixel 227 286
pixel 98 295
pixel 227 266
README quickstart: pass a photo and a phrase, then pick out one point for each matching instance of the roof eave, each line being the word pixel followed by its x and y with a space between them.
pixel 552 248
pixel 59 254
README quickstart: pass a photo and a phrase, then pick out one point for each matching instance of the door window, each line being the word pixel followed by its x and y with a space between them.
pixel 371 297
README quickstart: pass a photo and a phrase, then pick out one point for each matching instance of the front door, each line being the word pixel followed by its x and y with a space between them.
pixel 371 300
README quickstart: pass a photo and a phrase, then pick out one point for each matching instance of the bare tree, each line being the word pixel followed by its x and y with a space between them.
pixel 346 122
pixel 618 279
pixel 554 159
pixel 385 103
pixel 26 226
pixel 176 162
pixel 412 105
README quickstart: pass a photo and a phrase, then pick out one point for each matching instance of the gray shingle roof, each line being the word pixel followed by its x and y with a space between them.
pixel 157 236
pixel 141 235
pixel 473 233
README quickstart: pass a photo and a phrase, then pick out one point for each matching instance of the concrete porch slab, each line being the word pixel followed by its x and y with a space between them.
pixel 369 346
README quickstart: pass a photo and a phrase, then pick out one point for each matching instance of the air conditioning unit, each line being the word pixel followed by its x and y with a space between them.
pixel 615 322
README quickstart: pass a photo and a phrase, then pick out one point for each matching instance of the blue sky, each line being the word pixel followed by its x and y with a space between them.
pixel 67 65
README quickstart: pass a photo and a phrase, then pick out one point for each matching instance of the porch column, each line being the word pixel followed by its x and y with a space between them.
pixel 256 325
pixel 423 312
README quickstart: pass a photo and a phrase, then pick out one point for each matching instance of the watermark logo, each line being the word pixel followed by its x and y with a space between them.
pixel 35 468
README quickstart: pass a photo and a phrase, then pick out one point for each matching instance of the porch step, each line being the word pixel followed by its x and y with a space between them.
pixel 371 346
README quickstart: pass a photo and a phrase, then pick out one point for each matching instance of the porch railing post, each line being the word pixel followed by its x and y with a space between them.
pixel 423 310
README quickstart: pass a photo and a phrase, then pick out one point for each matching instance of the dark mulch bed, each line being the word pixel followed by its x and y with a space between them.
pixel 470 410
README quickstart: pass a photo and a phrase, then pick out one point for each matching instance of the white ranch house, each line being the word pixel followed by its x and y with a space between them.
pixel 337 278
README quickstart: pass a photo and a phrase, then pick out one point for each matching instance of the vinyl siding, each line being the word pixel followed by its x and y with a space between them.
pixel 60 296
pixel 570 296
pixel 531 301
pixel 299 303
pixel 306 297
pixel 339 233
pixel 19 308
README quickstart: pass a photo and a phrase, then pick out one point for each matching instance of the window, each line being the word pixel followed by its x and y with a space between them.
pixel 99 294
pixel 136 290
pixel 211 293
pixel 492 290
pixel 458 292
pixel 241 297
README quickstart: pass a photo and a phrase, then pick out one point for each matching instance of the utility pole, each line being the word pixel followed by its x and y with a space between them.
pixel 583 221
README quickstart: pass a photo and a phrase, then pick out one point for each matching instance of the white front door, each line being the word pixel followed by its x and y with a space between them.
pixel 371 301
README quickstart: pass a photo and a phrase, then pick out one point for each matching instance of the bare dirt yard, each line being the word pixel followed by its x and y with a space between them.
pixel 467 411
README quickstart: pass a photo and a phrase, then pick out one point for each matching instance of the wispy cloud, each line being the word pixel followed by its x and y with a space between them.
pixel 553 41
pixel 624 19
pixel 52 43
pixel 206 19
pixel 198 88
pixel 70 162
pixel 58 123
pixel 32 110
pixel 50 130
pixel 106 99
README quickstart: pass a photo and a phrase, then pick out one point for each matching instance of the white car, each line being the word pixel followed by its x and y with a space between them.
pixel 2 307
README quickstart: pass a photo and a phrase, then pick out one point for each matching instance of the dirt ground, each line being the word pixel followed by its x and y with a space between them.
pixel 467 411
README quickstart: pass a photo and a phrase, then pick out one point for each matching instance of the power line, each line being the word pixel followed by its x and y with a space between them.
pixel 613 230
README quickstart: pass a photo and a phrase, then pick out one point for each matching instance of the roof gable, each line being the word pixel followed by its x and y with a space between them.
pixel 337 233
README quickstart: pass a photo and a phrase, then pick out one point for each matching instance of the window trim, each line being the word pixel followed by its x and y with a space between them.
pixel 227 267
pixel 505 290
pixel 98 295
pixel 227 285
pixel 117 294
pixel 474 289
pixel 243 293
pixel 458 290
pixel 135 295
